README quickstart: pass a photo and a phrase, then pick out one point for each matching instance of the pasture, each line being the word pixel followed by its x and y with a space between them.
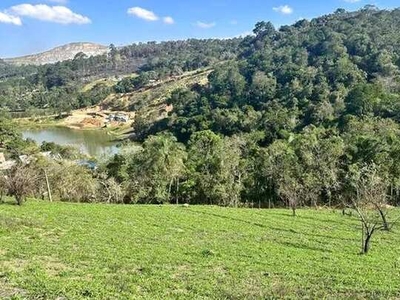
pixel 94 251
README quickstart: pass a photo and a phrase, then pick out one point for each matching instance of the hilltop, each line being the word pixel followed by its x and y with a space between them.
pixel 59 54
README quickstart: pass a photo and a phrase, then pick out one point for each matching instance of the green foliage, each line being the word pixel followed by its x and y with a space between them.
pixel 214 166
pixel 312 73
pixel 11 140
pixel 155 171
pixel 94 96
pixel 324 94
pixel 66 152
pixel 283 121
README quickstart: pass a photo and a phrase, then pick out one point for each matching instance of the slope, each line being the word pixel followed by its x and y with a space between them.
pixel 79 251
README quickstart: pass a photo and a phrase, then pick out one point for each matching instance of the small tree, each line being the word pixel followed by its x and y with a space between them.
pixel 369 201
pixel 290 189
pixel 20 182
pixel 73 183
pixel 110 190
pixel 3 187
pixel 319 153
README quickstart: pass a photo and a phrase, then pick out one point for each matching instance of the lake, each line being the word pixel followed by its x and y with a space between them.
pixel 93 142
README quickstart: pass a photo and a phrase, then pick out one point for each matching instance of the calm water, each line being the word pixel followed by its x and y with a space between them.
pixel 93 142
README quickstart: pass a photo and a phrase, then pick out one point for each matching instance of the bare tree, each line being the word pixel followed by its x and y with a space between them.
pixel 110 191
pixel 20 182
pixel 291 190
pixel 370 201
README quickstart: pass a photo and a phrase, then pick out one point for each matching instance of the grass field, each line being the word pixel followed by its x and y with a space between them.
pixel 79 251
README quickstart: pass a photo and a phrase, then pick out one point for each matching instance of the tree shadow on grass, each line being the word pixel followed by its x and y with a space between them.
pixel 12 203
pixel 329 221
pixel 306 233
pixel 284 243
pixel 229 218
pixel 313 236
pixel 304 247
pixel 300 217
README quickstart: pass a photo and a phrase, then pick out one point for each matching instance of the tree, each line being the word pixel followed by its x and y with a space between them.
pixel 20 182
pixel 71 182
pixel 369 200
pixel 363 99
pixel 263 88
pixel 285 170
pixel 320 153
pixel 11 138
pixel 214 169
pixel 157 169
pixel 227 81
pixel 110 190
pixel 262 29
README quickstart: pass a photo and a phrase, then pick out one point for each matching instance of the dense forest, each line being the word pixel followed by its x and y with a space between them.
pixel 306 114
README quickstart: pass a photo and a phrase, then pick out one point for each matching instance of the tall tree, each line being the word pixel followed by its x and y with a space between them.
pixel 156 170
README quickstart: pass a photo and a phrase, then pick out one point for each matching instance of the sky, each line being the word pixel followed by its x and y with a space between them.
pixel 31 26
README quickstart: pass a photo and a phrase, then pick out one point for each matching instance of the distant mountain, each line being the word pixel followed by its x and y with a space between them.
pixel 59 54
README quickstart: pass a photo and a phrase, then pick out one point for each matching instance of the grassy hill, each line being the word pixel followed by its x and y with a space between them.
pixel 155 94
pixel 77 251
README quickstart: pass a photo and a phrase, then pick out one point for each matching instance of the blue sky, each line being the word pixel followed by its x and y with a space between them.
pixel 30 26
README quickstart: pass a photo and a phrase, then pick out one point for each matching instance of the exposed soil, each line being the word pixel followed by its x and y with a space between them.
pixel 93 117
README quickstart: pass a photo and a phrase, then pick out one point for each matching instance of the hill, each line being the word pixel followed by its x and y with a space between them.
pixel 59 54
pixel 313 73
pixel 302 115
pixel 59 87
pixel 78 251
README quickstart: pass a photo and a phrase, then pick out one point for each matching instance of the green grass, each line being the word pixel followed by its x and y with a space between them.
pixel 80 251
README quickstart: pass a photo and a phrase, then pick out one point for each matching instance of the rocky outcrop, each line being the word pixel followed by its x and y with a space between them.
pixel 59 54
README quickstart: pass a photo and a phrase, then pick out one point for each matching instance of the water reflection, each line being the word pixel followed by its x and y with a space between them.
pixel 93 142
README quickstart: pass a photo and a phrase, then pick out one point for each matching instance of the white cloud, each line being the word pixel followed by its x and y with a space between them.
pixel 143 14
pixel 58 1
pixel 10 19
pixel 56 14
pixel 283 9
pixel 168 20
pixel 205 25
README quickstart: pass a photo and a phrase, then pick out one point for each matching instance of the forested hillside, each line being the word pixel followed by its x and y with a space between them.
pixel 59 87
pixel 306 114
pixel 319 72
